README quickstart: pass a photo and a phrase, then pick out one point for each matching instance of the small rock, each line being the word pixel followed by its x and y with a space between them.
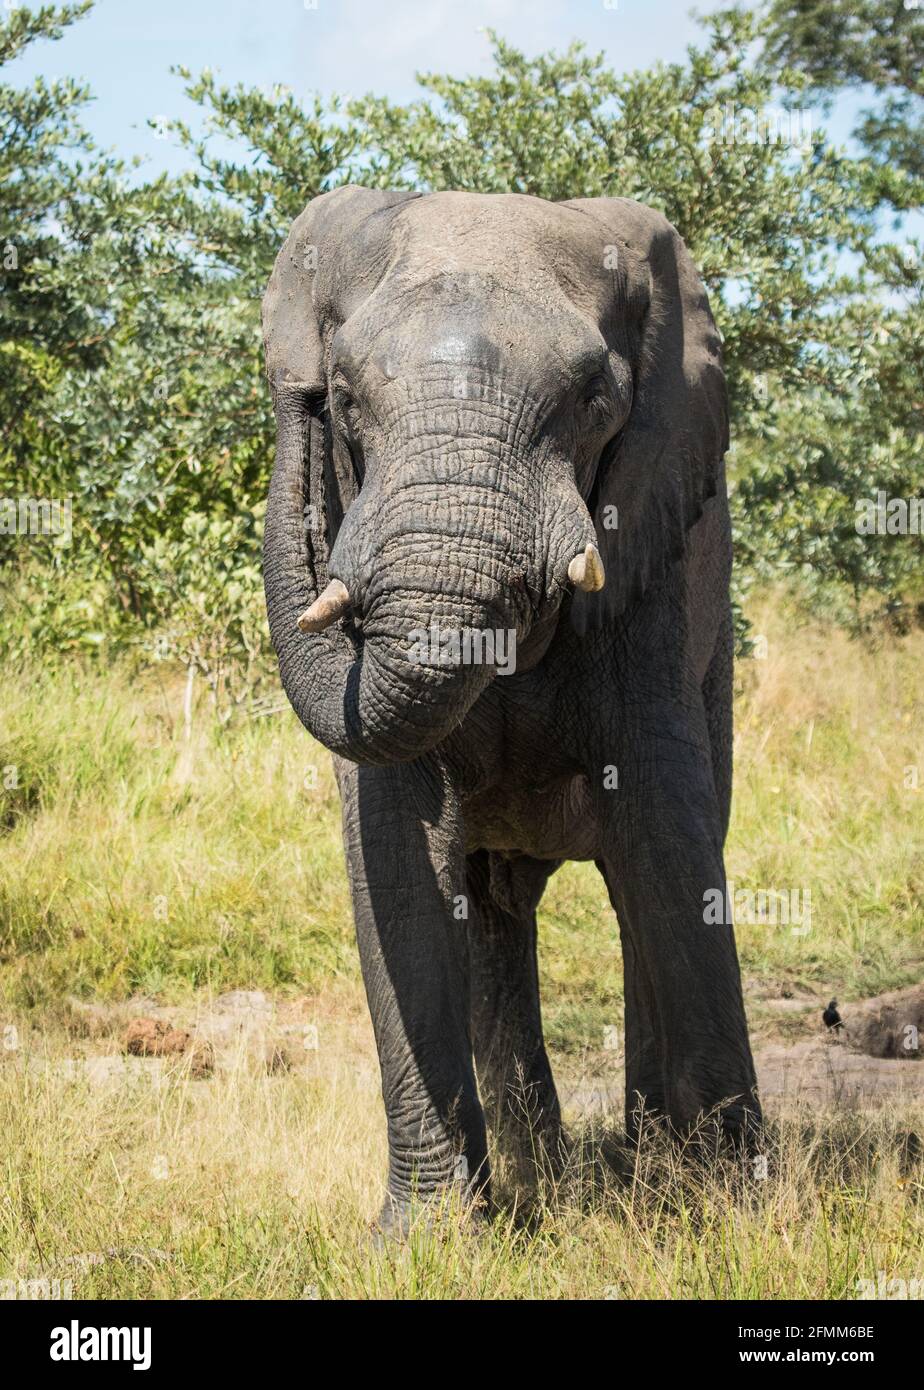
pixel 890 1026
pixel 153 1037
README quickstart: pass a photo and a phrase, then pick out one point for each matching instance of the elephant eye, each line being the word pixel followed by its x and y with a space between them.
pixel 349 421
pixel 349 412
pixel 595 398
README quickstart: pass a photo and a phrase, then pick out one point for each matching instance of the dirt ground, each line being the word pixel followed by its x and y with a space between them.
pixel 874 1059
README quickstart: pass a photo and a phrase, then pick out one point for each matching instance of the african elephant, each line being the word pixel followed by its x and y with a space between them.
pixel 497 555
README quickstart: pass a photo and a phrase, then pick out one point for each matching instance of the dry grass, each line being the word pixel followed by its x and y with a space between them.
pixel 155 1185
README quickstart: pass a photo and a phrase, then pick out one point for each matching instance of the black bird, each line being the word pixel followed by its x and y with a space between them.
pixel 831 1018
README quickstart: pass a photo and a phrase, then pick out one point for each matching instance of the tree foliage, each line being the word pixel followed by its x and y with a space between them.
pixel 877 45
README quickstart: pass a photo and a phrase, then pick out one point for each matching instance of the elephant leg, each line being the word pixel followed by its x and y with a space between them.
pixel 718 703
pixel 643 1054
pixel 406 867
pixel 514 1074
pixel 662 830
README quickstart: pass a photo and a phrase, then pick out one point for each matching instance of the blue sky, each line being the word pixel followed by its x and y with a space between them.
pixel 125 48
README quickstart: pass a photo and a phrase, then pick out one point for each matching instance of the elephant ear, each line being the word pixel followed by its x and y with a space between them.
pixel 334 251
pixel 656 475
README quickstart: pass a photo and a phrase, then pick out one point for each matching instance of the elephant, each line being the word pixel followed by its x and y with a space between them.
pixel 497 557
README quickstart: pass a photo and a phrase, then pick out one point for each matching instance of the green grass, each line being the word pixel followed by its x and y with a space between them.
pixel 136 861
pixel 133 860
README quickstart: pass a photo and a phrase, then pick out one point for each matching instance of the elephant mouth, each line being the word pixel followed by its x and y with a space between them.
pixel 585 572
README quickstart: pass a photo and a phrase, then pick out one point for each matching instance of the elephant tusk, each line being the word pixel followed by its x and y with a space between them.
pixel 586 570
pixel 326 609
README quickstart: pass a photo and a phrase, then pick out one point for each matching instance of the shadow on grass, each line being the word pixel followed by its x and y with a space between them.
pixel 652 1174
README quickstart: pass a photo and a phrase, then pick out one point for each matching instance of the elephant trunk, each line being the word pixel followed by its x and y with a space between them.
pixel 445 575
pixel 315 670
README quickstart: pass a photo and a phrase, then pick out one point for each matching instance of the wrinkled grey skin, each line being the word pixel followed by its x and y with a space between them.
pixel 465 387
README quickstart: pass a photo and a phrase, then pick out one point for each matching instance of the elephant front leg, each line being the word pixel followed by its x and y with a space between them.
pixel 644 1059
pixel 405 862
pixel 687 1048
pixel 513 1068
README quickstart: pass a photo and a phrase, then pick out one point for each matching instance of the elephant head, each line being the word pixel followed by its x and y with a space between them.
pixel 487 407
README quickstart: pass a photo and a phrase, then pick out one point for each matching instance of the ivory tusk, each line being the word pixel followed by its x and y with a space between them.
pixel 326 609
pixel 586 570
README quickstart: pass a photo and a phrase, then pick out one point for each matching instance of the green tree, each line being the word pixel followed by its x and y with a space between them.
pixel 873 44
pixel 45 327
pixel 831 450
pixel 131 386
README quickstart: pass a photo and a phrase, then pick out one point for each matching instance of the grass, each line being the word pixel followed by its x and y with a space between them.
pixel 253 1187
pixel 133 860
pixel 138 862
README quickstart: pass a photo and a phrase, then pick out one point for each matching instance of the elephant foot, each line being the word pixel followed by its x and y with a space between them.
pixel 529 1161
pixel 734 1124
pixel 450 1207
pixel 394 1222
